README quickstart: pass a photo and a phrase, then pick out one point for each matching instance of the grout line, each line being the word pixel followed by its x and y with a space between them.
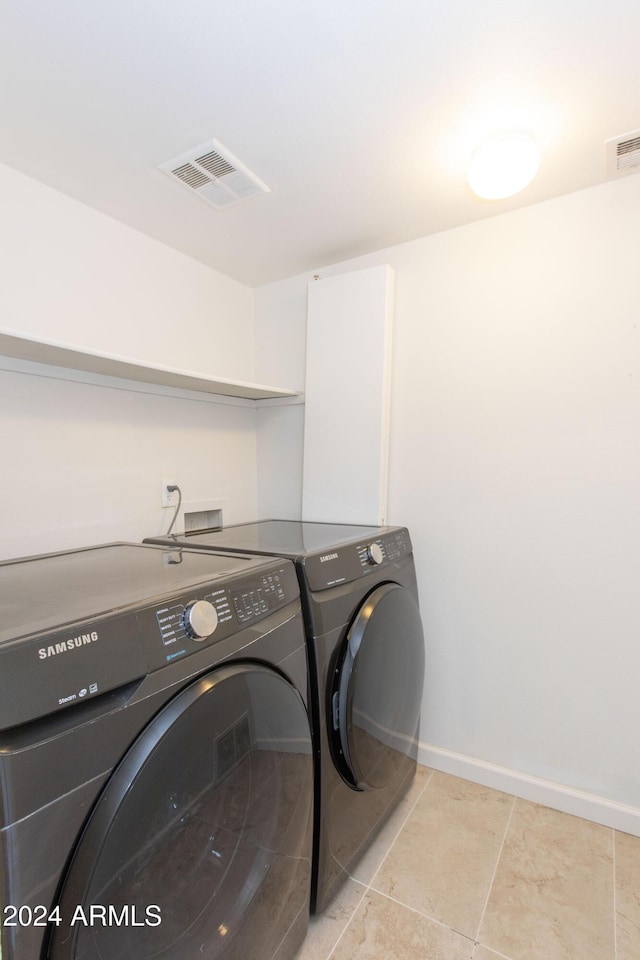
pixel 391 842
pixel 368 886
pixel 348 923
pixel 497 953
pixel 425 916
pixel 495 869
pixel 406 906
pixel 397 834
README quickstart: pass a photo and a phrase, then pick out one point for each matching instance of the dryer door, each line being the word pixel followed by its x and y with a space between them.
pixel 377 691
pixel 200 844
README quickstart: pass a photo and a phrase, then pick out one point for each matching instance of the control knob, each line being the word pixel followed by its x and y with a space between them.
pixel 200 619
pixel 374 554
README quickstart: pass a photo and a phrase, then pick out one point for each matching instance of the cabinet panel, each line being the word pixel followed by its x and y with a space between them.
pixel 347 397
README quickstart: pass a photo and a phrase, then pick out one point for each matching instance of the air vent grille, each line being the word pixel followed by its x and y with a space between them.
pixel 629 152
pixel 623 154
pixel 216 164
pixel 214 174
pixel 191 176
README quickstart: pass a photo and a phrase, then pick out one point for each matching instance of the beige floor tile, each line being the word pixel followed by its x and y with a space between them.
pixel 326 929
pixel 385 930
pixel 369 864
pixel 483 953
pixel 627 896
pixel 444 858
pixel 552 896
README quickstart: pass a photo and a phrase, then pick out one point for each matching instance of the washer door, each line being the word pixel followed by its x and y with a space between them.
pixel 377 693
pixel 200 844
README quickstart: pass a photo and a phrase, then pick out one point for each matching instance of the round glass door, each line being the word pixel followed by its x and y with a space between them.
pixel 200 844
pixel 377 691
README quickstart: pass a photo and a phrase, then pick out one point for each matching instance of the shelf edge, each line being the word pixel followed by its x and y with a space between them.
pixel 47 352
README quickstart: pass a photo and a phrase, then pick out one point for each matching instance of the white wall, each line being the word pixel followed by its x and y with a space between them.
pixel 82 463
pixel 73 274
pixel 515 463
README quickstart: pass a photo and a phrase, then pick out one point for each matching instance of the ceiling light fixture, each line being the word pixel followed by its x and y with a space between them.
pixel 503 165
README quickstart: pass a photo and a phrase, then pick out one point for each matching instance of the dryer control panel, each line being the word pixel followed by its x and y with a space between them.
pixel 352 561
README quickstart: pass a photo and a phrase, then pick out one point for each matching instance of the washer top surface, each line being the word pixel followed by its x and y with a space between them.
pixel 287 538
pixel 45 592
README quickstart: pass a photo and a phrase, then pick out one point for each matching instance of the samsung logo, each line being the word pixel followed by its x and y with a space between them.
pixel 328 556
pixel 67 645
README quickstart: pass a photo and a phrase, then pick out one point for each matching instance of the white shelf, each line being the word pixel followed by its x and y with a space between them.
pixel 69 359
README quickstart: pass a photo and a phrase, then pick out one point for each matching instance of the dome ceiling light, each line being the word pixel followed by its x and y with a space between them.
pixel 503 165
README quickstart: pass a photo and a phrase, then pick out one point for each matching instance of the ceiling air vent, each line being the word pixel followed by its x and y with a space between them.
pixel 623 154
pixel 214 174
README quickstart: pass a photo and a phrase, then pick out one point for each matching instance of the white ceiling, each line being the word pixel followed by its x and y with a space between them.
pixel 360 115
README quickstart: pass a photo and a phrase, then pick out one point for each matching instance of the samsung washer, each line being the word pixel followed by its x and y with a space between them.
pixel 366 656
pixel 156 773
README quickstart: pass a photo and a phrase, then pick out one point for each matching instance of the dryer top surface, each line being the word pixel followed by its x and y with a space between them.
pixel 287 538
pixel 325 554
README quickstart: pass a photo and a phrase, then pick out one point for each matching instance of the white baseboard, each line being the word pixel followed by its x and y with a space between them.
pixel 546 792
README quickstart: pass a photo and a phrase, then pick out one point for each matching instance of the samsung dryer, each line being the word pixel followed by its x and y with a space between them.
pixel 366 656
pixel 156 773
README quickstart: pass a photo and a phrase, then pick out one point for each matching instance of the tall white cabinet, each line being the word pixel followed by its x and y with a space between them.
pixel 347 397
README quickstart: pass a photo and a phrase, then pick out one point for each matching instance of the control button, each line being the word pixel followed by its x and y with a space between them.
pixel 374 553
pixel 200 619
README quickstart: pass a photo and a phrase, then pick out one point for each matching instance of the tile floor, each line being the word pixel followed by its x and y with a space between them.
pixel 463 872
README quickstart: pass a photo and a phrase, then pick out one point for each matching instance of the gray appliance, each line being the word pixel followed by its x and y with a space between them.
pixel 156 773
pixel 366 661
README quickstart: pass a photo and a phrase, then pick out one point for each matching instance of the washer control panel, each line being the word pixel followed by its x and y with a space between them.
pixel 80 623
pixel 254 600
pixel 174 619
pixel 187 623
